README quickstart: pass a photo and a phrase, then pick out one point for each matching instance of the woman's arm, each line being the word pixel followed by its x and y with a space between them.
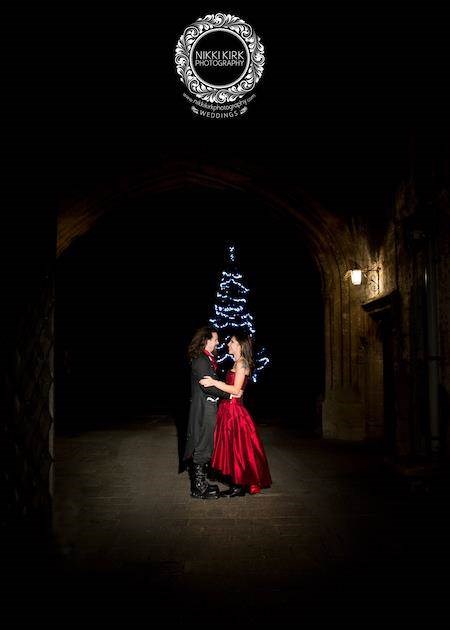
pixel 207 381
pixel 198 371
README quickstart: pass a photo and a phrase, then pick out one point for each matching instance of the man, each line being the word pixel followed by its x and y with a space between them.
pixel 202 412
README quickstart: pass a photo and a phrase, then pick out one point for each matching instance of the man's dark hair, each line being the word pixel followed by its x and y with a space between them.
pixel 199 340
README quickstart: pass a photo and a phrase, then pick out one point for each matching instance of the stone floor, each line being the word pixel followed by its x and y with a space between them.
pixel 336 533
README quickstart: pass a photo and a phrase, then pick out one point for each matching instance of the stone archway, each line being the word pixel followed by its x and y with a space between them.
pixel 348 413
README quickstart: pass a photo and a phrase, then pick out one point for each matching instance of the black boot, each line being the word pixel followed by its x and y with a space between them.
pixel 200 489
pixel 233 491
pixel 211 474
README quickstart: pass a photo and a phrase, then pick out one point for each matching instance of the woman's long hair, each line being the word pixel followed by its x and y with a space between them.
pixel 245 341
pixel 198 341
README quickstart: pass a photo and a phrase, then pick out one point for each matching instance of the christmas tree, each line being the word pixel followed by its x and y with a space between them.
pixel 231 313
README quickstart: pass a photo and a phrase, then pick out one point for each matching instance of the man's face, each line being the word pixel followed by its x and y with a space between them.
pixel 211 344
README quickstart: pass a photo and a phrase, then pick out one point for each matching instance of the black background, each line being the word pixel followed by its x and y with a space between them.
pixel 351 95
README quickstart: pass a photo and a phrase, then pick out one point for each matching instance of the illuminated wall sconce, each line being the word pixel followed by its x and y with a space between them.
pixel 356 276
pixel 372 275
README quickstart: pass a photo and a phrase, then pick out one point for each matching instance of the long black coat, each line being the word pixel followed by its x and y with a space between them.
pixel 200 367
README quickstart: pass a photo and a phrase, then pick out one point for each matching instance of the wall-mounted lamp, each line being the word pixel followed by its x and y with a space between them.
pixel 356 276
pixel 372 275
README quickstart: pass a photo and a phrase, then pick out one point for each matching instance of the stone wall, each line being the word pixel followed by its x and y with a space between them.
pixel 27 355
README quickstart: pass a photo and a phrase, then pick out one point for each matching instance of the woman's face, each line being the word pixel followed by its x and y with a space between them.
pixel 233 347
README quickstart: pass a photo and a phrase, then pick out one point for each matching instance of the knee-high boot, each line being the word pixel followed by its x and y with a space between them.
pixel 200 489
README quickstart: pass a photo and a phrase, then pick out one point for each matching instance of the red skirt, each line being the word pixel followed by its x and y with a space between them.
pixel 238 450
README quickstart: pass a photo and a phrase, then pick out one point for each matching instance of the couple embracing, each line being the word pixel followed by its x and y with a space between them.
pixel 221 437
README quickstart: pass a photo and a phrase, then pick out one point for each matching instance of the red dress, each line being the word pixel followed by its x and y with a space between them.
pixel 238 450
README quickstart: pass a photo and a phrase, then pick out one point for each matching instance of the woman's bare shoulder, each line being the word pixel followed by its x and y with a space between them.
pixel 242 365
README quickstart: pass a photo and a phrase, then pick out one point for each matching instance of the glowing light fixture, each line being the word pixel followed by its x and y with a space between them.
pixel 356 276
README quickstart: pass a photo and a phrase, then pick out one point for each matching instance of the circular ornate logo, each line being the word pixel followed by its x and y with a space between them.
pixel 219 58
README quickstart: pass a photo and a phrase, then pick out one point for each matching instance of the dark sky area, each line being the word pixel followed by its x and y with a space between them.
pixel 129 297
pixel 92 89
pixel 349 91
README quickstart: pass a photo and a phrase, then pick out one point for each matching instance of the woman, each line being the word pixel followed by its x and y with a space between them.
pixel 238 450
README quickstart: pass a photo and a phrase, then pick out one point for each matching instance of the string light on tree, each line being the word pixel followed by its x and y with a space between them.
pixel 231 312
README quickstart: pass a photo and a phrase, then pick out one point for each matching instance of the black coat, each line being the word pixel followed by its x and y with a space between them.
pixel 200 367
